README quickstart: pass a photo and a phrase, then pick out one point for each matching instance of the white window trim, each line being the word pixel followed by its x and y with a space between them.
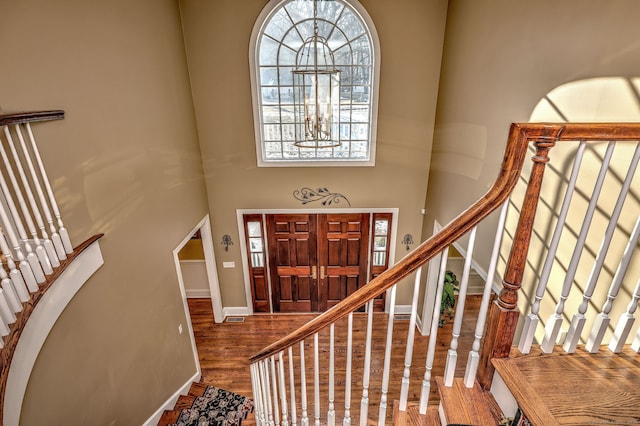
pixel 255 95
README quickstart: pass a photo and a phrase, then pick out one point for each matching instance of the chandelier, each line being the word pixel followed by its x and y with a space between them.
pixel 316 93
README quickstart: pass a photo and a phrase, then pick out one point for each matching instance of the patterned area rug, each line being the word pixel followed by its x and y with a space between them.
pixel 216 407
pixel 520 419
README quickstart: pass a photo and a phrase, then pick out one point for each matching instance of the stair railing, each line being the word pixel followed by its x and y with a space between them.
pixel 30 251
pixel 499 322
pixel 36 250
pixel 610 221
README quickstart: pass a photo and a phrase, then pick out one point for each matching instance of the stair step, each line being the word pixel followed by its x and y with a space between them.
pixel 413 417
pixel 197 389
pixel 466 406
pixel 184 401
pixel 169 417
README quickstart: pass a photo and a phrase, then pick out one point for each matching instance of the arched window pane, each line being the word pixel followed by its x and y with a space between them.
pixel 287 24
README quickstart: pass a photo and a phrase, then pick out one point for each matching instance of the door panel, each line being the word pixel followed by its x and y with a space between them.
pixel 343 241
pixel 317 260
pixel 292 253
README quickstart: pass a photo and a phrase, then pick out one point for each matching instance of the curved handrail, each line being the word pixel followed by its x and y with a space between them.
pixel 520 135
pixel 30 117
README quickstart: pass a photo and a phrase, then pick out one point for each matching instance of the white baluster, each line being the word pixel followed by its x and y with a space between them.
pixel 17 281
pixel 257 397
pixel 4 327
pixel 602 321
pixel 382 414
pixel 260 415
pixel 264 366
pixel 636 342
pixel 532 320
pixel 474 356
pixel 347 385
pixel 47 243
pixel 283 390
pixel 44 249
pixel 579 318
pixel 316 379
pixel 452 353
pixel 433 336
pixel 292 388
pixel 331 413
pixel 364 403
pixel 625 323
pixel 304 417
pixel 408 354
pixel 32 258
pixel 6 312
pixel 554 324
pixel 274 385
pixel 63 236
pixel 10 292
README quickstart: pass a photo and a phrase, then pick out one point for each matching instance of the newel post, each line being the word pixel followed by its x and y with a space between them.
pixel 503 315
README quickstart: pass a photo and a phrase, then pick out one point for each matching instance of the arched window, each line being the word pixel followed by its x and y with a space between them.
pixel 278 35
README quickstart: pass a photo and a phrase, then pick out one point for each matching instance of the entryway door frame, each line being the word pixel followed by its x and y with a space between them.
pixel 243 246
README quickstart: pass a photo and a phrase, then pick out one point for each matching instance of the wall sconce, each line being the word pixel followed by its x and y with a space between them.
pixel 407 240
pixel 226 241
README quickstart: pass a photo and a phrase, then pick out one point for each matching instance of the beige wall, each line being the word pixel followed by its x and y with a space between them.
pixel 500 58
pixel 125 162
pixel 410 33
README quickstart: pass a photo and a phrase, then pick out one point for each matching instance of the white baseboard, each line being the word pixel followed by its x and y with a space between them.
pixel 403 309
pixel 198 294
pixel 235 311
pixel 171 402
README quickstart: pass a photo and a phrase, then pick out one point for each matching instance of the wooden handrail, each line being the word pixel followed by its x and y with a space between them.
pixel 30 117
pixel 520 135
pixel 507 179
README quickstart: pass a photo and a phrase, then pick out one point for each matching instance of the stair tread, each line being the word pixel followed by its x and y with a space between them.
pixel 169 417
pixel 197 389
pixel 462 405
pixel 413 417
pixel 579 388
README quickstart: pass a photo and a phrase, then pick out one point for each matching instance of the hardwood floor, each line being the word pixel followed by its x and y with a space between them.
pixel 224 350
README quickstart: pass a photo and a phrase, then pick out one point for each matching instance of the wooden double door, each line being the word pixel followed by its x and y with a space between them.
pixel 315 261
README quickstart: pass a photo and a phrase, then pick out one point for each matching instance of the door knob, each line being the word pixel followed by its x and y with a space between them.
pixel 323 275
pixel 314 272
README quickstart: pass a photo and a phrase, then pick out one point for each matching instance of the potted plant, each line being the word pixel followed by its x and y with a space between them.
pixel 448 302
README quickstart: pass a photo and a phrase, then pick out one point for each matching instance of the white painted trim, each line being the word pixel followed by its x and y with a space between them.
pixel 207 245
pixel 171 402
pixel 40 323
pixel 243 246
pixel 359 10
pixel 212 270
pixel 185 305
pixel 495 286
pixel 236 311
pixel 503 395
pixel 428 302
pixel 403 309
pixel 198 294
